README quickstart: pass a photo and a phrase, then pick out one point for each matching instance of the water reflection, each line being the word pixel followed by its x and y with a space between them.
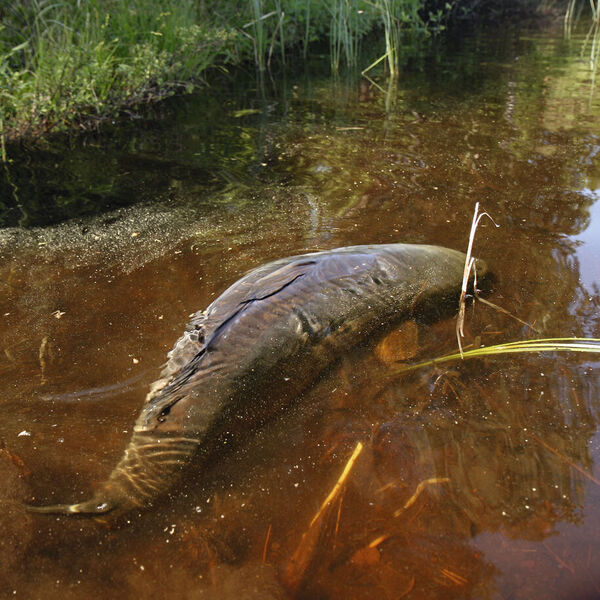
pixel 477 480
pixel 588 249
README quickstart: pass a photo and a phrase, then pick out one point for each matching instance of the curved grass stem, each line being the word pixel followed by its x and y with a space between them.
pixel 540 345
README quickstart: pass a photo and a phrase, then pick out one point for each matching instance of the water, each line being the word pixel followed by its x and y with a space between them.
pixel 479 479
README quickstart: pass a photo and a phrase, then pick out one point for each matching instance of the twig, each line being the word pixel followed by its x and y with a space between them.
pixel 422 485
pixel 337 521
pixel 506 312
pixel 408 590
pixel 336 488
pixel 565 459
pixel 266 546
pixel 453 577
pixel 379 540
pixel 558 559
pixel 42 357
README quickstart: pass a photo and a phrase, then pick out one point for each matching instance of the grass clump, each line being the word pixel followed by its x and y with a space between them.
pixel 73 61
pixel 63 60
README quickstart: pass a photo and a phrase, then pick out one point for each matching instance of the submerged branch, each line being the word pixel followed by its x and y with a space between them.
pixel 312 544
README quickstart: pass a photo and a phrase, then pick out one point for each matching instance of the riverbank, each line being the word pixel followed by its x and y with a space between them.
pixel 72 64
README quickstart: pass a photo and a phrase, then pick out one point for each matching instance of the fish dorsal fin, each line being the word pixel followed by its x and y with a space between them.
pixel 259 284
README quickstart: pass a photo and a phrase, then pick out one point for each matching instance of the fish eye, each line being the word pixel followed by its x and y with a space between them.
pixel 163 414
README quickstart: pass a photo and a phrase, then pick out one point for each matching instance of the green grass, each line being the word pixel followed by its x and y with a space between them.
pixel 66 62
pixel 588 345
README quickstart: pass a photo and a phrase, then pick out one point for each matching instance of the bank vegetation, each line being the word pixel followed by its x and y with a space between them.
pixel 66 63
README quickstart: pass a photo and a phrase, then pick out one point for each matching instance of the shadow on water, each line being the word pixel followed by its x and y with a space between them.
pixel 477 480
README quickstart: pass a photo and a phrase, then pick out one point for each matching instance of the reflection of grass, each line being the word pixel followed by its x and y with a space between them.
pixel 592 38
pixel 595 6
pixel 542 345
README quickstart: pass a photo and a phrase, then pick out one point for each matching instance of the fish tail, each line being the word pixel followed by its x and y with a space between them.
pixel 148 468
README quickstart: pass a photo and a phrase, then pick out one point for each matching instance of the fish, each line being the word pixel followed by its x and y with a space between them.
pixel 258 346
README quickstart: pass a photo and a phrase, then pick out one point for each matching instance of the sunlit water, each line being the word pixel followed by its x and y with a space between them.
pixel 478 480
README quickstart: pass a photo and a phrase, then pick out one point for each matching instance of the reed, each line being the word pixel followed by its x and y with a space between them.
pixel 343 41
pixel 391 28
pixel 259 38
pixel 279 31
pixel 306 29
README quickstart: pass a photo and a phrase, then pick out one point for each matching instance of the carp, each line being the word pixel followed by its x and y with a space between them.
pixel 259 345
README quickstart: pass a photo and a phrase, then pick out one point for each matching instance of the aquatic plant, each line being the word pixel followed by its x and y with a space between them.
pixel 259 38
pixel 395 16
pixel 540 345
pixel 345 30
pixel 391 26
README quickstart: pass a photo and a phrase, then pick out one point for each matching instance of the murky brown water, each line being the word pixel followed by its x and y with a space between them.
pixel 477 480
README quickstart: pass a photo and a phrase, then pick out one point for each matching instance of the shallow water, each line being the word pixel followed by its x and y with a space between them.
pixel 479 479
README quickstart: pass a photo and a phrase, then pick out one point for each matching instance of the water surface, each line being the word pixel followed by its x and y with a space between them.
pixel 478 480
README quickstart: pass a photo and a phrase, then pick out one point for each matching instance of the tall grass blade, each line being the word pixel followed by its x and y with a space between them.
pixel 469 263
pixel 542 345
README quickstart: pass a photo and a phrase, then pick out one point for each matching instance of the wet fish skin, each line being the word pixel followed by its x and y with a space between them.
pixel 258 345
